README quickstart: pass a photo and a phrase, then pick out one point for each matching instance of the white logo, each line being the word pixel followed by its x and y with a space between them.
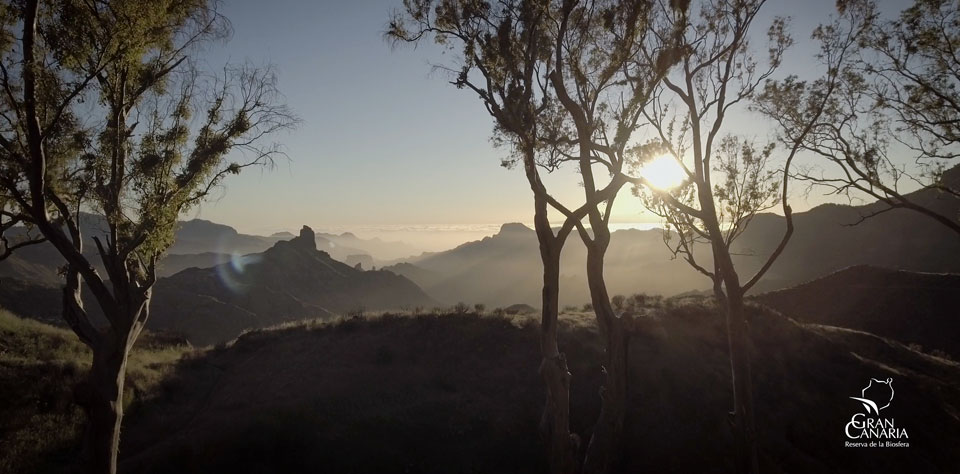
pixel 869 429
pixel 877 396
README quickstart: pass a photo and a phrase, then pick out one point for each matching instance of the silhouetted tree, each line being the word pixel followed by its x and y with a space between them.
pixel 896 117
pixel 563 83
pixel 96 115
pixel 729 179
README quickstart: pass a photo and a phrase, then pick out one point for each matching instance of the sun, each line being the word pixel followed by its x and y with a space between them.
pixel 663 172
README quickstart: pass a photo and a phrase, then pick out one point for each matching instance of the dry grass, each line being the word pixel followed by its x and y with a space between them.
pixel 39 365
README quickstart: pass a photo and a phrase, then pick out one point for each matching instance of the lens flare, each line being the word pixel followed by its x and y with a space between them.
pixel 663 172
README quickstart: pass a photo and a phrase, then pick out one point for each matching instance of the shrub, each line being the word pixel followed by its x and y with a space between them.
pixel 461 308
pixel 617 302
pixel 479 308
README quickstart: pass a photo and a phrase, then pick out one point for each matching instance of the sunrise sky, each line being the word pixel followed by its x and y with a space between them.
pixel 386 146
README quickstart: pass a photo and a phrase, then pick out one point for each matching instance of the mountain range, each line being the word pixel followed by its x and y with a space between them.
pixel 505 268
pixel 198 243
pixel 290 281
pixel 215 276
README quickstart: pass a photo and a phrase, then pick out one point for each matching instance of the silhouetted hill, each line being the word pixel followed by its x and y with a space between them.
pixel 43 303
pixel 201 236
pixel 290 281
pixel 460 393
pixel 176 263
pixel 380 250
pixel 910 307
pixel 826 239
pixel 423 278
pixel 199 243
pixel 505 268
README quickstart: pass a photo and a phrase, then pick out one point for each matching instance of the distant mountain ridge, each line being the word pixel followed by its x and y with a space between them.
pixel 505 268
pixel 292 280
pixel 198 243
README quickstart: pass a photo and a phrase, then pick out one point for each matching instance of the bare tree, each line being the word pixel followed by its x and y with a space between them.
pixel 894 123
pixel 729 179
pixel 96 114
pixel 564 84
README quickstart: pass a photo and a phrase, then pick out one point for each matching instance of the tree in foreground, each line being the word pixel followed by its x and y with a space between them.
pixel 727 179
pixel 97 115
pixel 894 123
pixel 564 84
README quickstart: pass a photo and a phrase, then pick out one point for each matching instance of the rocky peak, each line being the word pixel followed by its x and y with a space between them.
pixel 514 228
pixel 307 238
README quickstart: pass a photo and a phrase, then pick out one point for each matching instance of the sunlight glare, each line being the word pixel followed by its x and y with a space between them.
pixel 663 172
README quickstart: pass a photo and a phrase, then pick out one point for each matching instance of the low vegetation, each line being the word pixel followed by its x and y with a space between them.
pixel 40 425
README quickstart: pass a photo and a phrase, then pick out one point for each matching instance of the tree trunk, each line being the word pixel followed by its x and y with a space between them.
pixel 101 397
pixel 745 429
pixel 101 394
pixel 605 446
pixel 555 422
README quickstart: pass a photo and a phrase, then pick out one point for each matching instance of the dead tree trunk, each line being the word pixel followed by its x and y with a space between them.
pixel 606 441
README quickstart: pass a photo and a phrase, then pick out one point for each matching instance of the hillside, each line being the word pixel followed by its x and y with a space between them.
pixel 826 239
pixel 39 364
pixel 290 281
pixel 911 307
pixel 460 393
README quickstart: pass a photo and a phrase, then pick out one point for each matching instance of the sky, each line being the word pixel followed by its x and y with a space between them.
pixel 386 146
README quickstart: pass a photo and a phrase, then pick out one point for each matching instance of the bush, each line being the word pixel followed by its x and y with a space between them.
pixel 587 307
pixel 461 308
pixel 357 313
pixel 618 301
pixel 479 308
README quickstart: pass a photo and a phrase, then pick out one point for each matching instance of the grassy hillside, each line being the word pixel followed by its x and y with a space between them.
pixel 39 364
pixel 461 393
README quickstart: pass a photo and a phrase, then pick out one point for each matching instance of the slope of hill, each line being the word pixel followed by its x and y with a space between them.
pixel 175 263
pixel 913 308
pixel 461 393
pixel 831 237
pixel 42 303
pixel 291 280
pixel 39 424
